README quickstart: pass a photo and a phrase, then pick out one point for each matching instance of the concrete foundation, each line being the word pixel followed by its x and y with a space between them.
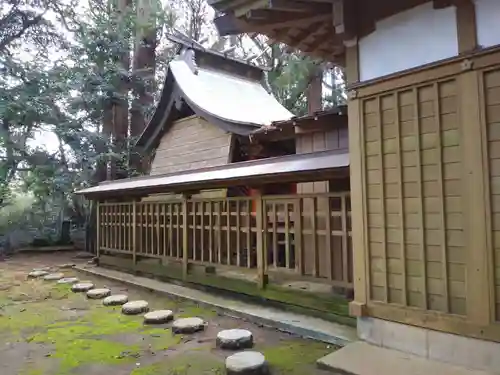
pixel 439 346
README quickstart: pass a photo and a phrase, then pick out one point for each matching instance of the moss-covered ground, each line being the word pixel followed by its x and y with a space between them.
pixel 45 329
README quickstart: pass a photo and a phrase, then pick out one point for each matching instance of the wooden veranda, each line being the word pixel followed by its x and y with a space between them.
pixel 272 246
pixel 282 235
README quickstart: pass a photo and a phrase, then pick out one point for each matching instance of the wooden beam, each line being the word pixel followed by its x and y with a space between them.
pixel 310 35
pixel 344 18
pixel 440 4
pixel 298 6
pixel 466 26
pixel 322 124
pixel 281 21
pixel 274 135
pixel 352 64
pixel 246 6
pixel 328 38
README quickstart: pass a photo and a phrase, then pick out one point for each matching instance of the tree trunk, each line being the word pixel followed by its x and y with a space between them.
pixel 120 108
pixel 315 93
pixel 143 75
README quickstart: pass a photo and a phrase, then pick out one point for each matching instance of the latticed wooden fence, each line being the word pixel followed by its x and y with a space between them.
pixel 308 236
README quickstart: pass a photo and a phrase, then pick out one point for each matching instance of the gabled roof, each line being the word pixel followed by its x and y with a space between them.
pixel 227 92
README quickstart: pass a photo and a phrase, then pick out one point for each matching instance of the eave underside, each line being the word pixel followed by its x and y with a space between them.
pixel 320 28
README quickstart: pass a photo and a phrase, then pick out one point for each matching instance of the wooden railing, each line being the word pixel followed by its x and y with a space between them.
pixel 308 236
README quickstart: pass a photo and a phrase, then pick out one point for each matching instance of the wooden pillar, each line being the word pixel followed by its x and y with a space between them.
pixel 466 26
pixel 476 206
pixel 358 193
pixel 134 233
pixel 261 263
pixel 98 230
pixel 185 234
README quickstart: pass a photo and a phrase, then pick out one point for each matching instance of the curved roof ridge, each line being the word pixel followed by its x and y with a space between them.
pixel 229 96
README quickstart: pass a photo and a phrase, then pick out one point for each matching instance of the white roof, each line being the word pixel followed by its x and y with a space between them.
pixel 227 96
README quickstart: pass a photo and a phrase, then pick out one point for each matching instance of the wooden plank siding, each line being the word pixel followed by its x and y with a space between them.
pixel 191 143
pixel 334 139
pixel 491 92
pixel 319 263
pixel 429 202
pixel 415 218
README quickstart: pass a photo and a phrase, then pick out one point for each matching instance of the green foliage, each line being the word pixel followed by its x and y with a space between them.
pixel 67 71
pixel 15 213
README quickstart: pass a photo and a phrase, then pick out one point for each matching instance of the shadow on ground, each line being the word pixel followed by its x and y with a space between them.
pixel 45 329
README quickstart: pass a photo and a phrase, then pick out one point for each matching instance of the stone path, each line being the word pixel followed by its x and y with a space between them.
pixel 188 325
pixel 82 287
pixel 298 324
pixel 98 293
pixel 241 363
pixel 158 317
pixel 234 339
pixel 53 276
pixel 135 307
pixel 115 300
pixel 246 363
pixel 37 273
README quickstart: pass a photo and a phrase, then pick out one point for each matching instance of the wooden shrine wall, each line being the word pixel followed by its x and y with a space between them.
pixel 334 139
pixel 191 143
pixel 426 167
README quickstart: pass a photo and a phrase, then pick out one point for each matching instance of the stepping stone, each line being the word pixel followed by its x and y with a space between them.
pixel 46 269
pixel 247 363
pixel 68 280
pixel 98 293
pixel 37 273
pixel 135 307
pixel 158 317
pixel 66 265
pixel 188 325
pixel 234 339
pixel 84 255
pixel 82 287
pixel 115 300
pixel 53 276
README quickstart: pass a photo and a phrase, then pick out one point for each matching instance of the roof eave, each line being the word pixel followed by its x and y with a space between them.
pixel 292 168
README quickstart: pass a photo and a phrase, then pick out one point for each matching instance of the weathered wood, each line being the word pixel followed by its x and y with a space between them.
pixel 98 229
pixel 260 248
pixel 421 220
pixel 151 221
pixel 479 305
pixel 466 26
pixel 238 234
pixel 299 260
pixel 191 143
pixel 134 232
pixel 185 238
pixel 442 201
pixel 399 156
pixel 358 201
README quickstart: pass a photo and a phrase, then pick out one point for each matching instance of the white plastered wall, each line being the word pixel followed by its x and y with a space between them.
pixel 416 37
